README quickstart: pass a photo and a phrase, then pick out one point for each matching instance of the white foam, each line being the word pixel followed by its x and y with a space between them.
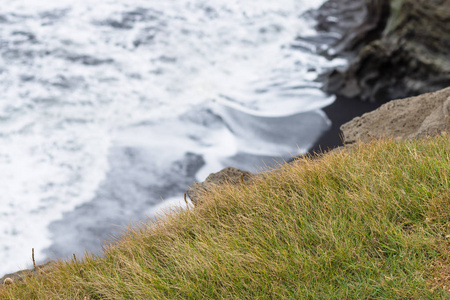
pixel 169 205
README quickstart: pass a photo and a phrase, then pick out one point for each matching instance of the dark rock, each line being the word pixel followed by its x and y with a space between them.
pixel 357 22
pixel 228 175
pixel 401 47
pixel 420 116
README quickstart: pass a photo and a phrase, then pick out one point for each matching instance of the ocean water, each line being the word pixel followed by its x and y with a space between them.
pixel 110 109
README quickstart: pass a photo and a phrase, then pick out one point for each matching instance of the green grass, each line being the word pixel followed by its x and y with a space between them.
pixel 370 222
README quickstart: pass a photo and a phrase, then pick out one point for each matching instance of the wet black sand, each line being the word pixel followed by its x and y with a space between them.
pixel 340 112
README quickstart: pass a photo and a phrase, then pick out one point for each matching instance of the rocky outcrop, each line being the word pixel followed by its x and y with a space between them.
pixel 356 22
pixel 424 115
pixel 397 48
pixel 228 175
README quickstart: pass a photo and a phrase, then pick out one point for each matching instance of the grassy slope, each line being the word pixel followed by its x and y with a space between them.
pixel 373 223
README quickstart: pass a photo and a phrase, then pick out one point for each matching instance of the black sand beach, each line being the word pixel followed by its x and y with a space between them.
pixel 340 112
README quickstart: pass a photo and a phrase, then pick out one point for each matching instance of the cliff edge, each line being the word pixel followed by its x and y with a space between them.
pixel 415 117
pixel 420 116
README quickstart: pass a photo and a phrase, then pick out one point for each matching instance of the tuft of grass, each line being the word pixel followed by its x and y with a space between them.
pixel 369 222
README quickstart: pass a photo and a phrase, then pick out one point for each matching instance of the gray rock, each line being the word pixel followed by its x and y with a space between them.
pixel 424 115
pixel 228 175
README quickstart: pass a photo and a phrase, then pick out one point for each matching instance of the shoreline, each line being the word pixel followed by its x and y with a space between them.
pixel 341 111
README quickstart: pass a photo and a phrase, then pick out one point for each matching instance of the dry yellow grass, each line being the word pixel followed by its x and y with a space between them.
pixel 371 222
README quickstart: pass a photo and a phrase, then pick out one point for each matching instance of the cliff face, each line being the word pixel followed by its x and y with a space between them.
pixel 397 48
